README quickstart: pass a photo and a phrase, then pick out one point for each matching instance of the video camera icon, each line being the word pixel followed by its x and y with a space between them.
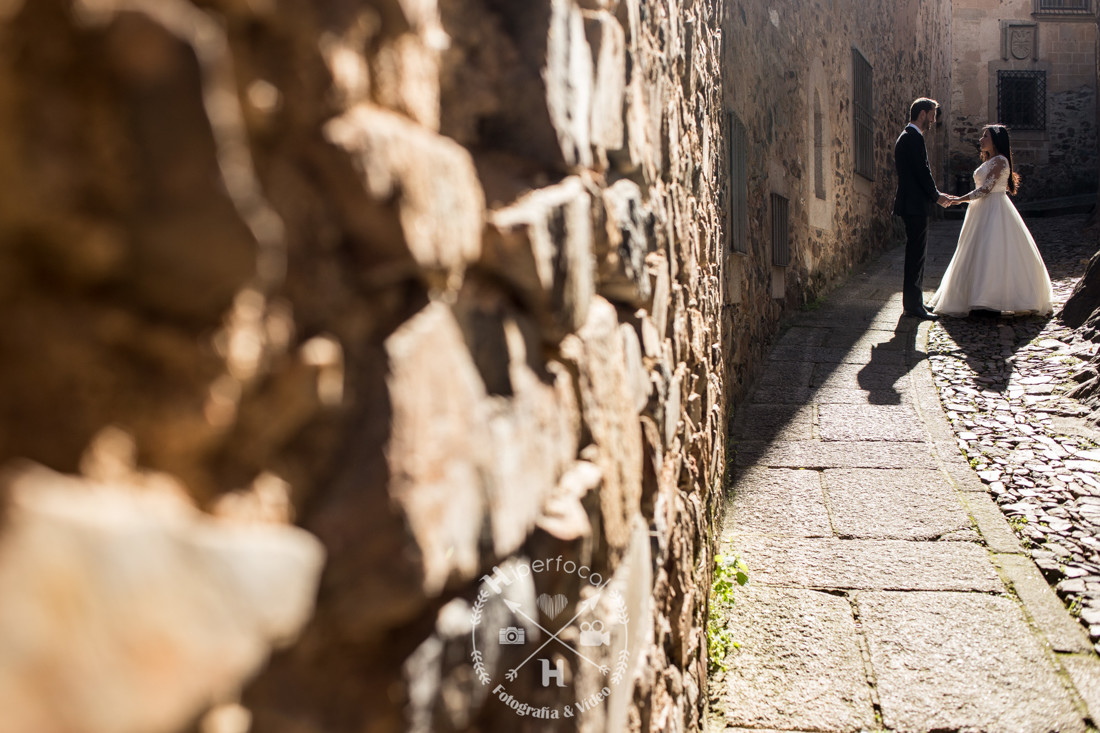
pixel 513 635
pixel 592 634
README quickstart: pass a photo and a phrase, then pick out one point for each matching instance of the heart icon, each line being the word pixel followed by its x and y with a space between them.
pixel 552 605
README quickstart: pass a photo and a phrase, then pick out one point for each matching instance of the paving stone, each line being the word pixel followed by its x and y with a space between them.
pixel 739 729
pixel 961 661
pixel 893 504
pixel 834 454
pixel 799 665
pixel 773 422
pixel 778 394
pixel 856 376
pixel 866 564
pixel 856 422
pixel 1084 672
pixel 860 354
pixel 779 502
pixel 861 338
pixel 803 335
pixel 898 394
pixel 802 353
pixel 786 374
pixel 831 316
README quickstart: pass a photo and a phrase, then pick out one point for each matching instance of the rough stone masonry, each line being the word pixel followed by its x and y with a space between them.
pixel 348 342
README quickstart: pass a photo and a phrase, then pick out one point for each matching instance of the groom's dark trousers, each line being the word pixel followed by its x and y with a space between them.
pixel 916 249
pixel 915 196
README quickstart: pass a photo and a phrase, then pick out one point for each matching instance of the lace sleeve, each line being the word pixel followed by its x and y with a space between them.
pixel 996 168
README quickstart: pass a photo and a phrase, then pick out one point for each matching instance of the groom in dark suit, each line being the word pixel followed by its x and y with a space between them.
pixel 916 194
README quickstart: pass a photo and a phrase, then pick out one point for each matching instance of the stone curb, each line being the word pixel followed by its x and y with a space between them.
pixel 1074 653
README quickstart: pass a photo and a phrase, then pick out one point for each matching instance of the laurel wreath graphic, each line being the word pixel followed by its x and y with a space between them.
pixel 624 619
pixel 480 669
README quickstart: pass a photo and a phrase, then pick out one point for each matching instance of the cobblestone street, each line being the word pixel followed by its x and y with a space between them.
pixel 1003 384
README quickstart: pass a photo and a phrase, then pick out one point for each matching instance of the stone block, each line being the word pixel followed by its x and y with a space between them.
pixel 563 515
pixel 911 504
pixel 549 87
pixel 867 564
pixel 621 248
pixel 412 499
pixel 833 454
pixel 778 502
pixel 124 609
pixel 534 437
pixel 657 266
pixel 630 598
pixel 423 187
pixel 637 377
pixel 1063 632
pixel 541 245
pixel 438 445
pixel 773 422
pixel 957 661
pixel 533 418
pixel 799 665
pixel 404 76
pixel 609 411
pixel 638 154
pixel 608 43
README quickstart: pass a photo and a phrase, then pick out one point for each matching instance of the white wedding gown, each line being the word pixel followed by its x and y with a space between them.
pixel 996 265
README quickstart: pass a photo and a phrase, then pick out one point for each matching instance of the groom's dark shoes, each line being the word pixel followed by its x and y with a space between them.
pixel 923 315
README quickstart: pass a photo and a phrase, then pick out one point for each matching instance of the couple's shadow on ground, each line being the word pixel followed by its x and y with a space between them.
pixel 890 361
pixel 985 341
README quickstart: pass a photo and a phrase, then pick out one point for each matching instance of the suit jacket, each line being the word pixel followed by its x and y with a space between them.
pixel 917 190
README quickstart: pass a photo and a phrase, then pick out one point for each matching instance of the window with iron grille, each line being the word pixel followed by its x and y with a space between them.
pixel 739 184
pixel 781 236
pixel 1022 99
pixel 863 116
pixel 1063 7
pixel 819 148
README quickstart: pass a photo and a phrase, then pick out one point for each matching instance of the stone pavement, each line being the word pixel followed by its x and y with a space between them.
pixel 887 591
pixel 1006 385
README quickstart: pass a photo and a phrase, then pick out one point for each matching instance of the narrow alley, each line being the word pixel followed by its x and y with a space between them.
pixel 887 590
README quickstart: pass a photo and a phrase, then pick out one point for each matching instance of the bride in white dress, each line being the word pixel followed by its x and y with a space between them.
pixel 996 266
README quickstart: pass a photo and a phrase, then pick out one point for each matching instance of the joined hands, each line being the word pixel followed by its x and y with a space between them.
pixel 946 200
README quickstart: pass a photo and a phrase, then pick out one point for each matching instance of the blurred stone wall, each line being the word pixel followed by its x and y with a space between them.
pixel 348 343
pixel 430 281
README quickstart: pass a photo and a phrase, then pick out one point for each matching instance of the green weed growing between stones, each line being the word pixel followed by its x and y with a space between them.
pixel 727 571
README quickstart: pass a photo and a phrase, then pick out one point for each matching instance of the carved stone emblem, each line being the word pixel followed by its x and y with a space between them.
pixel 1021 42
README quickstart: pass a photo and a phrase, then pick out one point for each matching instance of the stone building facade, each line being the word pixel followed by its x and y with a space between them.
pixel 356 348
pixel 788 79
pixel 1030 64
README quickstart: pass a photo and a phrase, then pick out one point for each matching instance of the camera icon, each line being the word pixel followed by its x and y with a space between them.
pixel 592 634
pixel 512 635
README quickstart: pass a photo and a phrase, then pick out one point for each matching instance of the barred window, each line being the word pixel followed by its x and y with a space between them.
pixel 819 148
pixel 739 184
pixel 1022 99
pixel 863 116
pixel 1063 7
pixel 781 236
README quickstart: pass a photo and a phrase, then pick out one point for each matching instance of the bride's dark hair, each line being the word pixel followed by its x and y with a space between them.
pixel 1003 146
